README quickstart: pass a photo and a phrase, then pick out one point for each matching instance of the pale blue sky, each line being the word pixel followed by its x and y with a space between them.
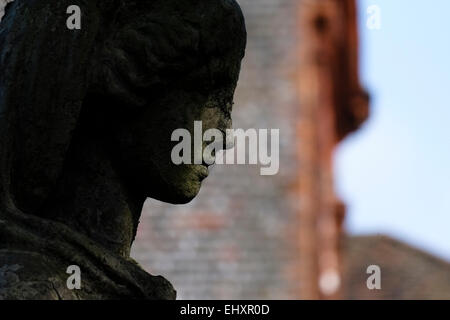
pixel 394 174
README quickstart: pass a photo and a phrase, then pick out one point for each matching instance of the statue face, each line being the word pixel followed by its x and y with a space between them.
pixel 145 144
pixel 161 75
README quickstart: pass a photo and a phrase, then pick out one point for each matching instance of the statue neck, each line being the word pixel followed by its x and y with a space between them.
pixel 91 199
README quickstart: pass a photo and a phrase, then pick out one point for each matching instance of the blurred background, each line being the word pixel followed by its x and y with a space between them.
pixel 358 91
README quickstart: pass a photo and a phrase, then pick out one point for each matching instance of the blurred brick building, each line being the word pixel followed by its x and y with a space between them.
pixel 248 236
pixel 406 272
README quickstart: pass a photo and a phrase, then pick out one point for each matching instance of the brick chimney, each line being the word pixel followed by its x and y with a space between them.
pixel 332 105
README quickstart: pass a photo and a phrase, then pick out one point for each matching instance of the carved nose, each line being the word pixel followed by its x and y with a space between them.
pixel 229 136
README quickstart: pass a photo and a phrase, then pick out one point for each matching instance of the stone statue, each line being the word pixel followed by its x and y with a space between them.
pixel 86 118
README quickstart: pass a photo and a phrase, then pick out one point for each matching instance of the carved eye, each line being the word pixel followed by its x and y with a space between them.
pixel 221 99
pixel 228 109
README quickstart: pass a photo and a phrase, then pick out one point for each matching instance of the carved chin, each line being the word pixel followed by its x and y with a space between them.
pixel 179 194
pixel 183 186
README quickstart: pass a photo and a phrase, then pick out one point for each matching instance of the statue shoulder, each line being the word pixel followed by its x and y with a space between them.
pixel 28 275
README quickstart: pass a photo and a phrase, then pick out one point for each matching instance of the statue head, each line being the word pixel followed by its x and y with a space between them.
pixel 119 87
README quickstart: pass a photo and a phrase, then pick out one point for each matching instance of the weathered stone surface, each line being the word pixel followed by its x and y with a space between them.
pixel 86 118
